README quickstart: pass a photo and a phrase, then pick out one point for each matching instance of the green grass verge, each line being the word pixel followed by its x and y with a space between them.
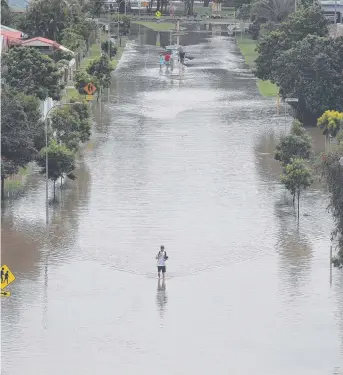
pixel 163 26
pixel 94 52
pixel 17 181
pixel 247 47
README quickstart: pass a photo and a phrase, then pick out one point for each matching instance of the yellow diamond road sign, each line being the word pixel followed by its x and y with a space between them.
pixel 7 276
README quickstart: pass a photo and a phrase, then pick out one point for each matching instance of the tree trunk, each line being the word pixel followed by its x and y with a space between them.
pixel 2 187
pixel 293 199
pixel 206 2
pixel 298 204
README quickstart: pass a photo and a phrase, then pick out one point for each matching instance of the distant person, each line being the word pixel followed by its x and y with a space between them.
pixel 161 60
pixel 167 59
pixel 182 56
pixel 161 257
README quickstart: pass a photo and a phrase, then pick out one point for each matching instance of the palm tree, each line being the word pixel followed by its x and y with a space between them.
pixel 272 10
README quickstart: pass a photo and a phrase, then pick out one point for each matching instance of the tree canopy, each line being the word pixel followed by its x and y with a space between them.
pixel 32 73
pixel 20 122
pixel 6 17
pixel 101 69
pixel 312 72
pixel 296 178
pixel 61 160
pixel 304 62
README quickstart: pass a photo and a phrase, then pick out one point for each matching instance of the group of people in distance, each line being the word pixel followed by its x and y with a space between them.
pixel 166 58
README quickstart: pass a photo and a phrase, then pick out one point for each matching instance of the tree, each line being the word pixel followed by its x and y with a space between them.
pixel 331 122
pixel 81 79
pixel 272 10
pixel 333 172
pixel 71 125
pixel 94 7
pixel 101 69
pixel 61 161
pixel 113 48
pixel 84 114
pixel 6 17
pixel 312 72
pixel 32 73
pixel 244 12
pixel 296 177
pixel 238 3
pixel 293 146
pixel 20 126
pixel 73 41
pixel 300 24
pixel 49 18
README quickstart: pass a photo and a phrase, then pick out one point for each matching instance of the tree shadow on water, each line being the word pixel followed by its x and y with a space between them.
pixel 293 246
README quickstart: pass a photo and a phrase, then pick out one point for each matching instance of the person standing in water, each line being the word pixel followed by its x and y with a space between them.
pixel 161 60
pixel 161 257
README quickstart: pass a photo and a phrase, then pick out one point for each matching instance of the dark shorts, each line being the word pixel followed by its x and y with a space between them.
pixel 161 268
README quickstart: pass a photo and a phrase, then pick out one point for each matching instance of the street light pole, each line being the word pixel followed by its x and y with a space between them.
pixel 336 18
pixel 47 156
pixel 122 1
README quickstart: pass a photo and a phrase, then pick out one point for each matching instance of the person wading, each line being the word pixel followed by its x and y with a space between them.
pixel 161 257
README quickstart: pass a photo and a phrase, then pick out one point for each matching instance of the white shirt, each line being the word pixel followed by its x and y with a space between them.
pixel 160 259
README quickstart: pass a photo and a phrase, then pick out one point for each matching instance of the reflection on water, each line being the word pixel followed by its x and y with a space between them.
pixel 161 296
pixel 189 164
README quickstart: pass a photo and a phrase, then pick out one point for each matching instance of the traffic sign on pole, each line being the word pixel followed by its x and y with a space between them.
pixel 90 88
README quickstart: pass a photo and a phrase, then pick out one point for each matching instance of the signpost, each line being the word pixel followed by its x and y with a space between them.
pixel 90 90
pixel 7 278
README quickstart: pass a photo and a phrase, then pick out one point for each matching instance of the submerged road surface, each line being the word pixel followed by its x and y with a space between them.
pixel 187 163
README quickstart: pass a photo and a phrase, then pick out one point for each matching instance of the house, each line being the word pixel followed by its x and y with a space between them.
pixel 332 7
pixel 4 44
pixel 11 38
pixel 14 37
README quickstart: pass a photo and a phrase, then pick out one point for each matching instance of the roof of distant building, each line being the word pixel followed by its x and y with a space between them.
pixel 42 42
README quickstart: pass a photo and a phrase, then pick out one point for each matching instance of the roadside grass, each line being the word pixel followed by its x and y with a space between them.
pixel 162 26
pixel 94 52
pixel 247 47
pixel 17 181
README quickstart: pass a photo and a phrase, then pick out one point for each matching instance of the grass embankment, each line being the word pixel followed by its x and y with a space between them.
pixel 247 47
pixel 162 26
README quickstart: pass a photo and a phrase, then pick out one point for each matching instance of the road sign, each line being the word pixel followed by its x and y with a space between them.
pixel 291 100
pixel 158 14
pixel 89 97
pixel 7 276
pixel 5 294
pixel 90 88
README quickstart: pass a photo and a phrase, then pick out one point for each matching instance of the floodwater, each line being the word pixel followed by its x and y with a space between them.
pixel 184 160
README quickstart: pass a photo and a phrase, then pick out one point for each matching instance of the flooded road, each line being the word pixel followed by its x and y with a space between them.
pixel 186 162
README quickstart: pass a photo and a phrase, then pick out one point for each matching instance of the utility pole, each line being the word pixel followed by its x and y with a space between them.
pixel 336 26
